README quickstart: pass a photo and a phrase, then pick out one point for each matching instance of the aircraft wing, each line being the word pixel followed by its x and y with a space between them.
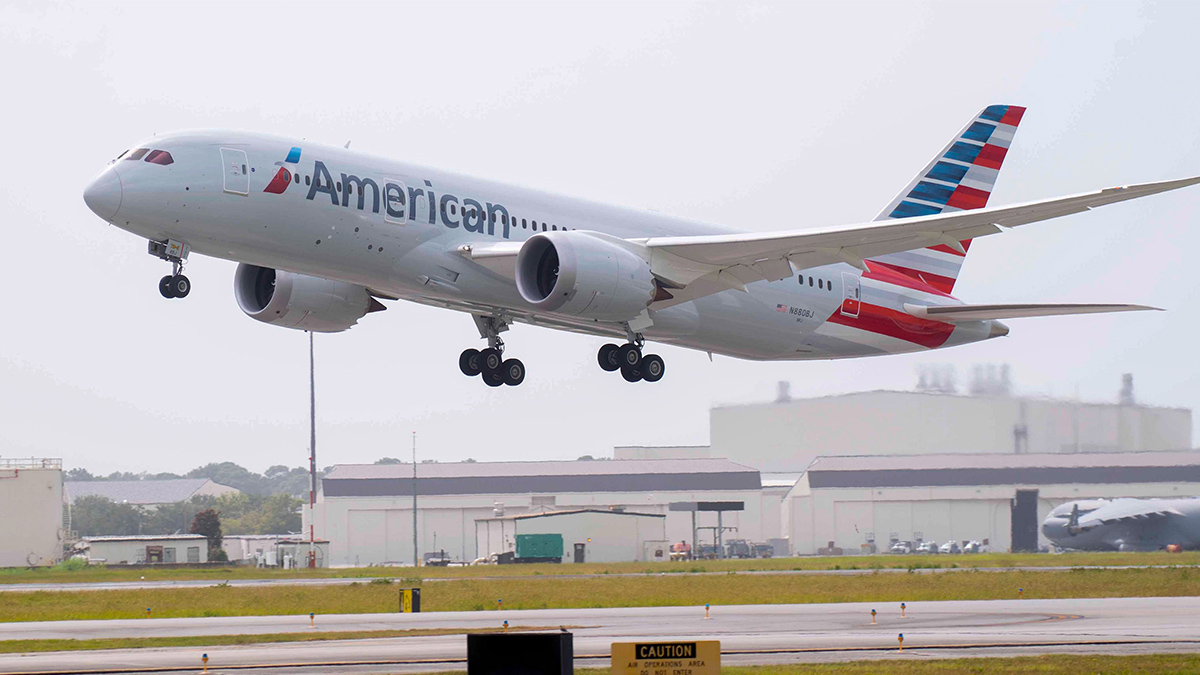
pixel 954 313
pixel 1126 511
pixel 726 261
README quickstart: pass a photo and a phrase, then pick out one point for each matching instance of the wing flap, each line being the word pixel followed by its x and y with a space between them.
pixel 954 313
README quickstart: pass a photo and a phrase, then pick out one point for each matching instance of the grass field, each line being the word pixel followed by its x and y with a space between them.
pixel 1058 664
pixel 617 591
pixel 100 573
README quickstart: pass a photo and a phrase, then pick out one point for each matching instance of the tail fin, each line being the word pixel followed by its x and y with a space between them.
pixel 959 178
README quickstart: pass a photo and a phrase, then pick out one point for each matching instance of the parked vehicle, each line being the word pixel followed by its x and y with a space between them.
pixel 901 547
pixel 930 547
pixel 737 548
pixel 950 547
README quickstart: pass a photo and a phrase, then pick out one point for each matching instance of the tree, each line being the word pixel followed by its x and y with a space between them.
pixel 80 474
pixel 96 516
pixel 388 460
pixel 208 523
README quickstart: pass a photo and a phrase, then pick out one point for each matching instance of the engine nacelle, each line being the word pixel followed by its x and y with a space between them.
pixel 298 301
pixel 583 275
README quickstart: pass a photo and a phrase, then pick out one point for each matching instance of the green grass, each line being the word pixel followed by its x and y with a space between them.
pixel 101 573
pixel 30 646
pixel 1054 664
pixel 606 591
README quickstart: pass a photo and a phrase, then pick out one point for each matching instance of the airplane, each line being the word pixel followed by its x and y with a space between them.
pixel 1125 524
pixel 322 234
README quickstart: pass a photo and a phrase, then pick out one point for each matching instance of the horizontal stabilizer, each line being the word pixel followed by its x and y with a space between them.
pixel 954 313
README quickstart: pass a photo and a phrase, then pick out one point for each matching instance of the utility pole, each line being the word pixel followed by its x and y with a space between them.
pixel 312 453
pixel 416 551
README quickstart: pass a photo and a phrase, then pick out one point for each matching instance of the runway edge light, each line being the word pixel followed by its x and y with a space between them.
pixel 901 639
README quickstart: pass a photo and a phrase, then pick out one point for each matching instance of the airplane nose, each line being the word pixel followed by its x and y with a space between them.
pixel 103 195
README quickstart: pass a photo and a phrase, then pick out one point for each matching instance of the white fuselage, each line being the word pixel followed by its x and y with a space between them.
pixel 396 229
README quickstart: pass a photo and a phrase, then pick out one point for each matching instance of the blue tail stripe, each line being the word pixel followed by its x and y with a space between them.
pixel 963 152
pixel 979 131
pixel 931 192
pixel 909 209
pixel 945 171
pixel 994 112
pixel 293 156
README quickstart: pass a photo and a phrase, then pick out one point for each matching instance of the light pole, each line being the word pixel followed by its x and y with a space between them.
pixel 312 453
pixel 416 551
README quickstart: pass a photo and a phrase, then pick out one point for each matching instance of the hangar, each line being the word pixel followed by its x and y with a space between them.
pixel 588 535
pixel 856 501
pixel 366 510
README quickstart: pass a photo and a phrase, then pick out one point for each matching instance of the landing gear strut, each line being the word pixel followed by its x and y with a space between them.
pixel 628 359
pixel 174 285
pixel 490 363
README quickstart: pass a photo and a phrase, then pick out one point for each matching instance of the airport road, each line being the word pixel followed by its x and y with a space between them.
pixel 344 581
pixel 748 634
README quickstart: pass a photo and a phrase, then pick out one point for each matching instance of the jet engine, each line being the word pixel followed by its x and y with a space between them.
pixel 584 275
pixel 302 302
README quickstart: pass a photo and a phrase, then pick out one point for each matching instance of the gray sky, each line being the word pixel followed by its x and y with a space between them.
pixel 765 116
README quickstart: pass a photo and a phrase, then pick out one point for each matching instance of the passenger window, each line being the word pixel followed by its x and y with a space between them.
pixel 543 227
pixel 821 284
pixel 810 281
pixel 339 186
pixel 554 227
pixel 297 179
pixel 349 188
pixel 307 180
pixel 523 225
pixel 535 225
pixel 453 211
pixel 137 154
pixel 161 157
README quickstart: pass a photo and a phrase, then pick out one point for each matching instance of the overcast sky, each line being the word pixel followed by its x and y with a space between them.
pixel 763 116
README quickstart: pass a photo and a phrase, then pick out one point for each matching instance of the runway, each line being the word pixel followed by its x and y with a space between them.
pixel 345 581
pixel 748 634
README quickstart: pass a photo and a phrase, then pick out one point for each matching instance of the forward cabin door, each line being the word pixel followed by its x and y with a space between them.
pixel 851 302
pixel 235 170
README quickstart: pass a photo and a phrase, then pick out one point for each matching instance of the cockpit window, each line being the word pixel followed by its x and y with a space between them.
pixel 137 154
pixel 123 152
pixel 160 157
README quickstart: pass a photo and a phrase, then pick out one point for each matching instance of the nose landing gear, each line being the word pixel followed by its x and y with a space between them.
pixel 174 285
pixel 490 363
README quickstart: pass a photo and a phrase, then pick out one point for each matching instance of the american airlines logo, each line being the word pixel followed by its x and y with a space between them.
pixel 399 203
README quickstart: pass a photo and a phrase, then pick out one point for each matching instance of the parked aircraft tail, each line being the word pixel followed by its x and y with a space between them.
pixel 959 178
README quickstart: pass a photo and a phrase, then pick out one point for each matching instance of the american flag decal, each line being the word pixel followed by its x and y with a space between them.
pixel 781 308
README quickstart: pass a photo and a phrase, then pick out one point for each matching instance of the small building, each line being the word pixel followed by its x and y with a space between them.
pixel 856 501
pixel 294 552
pixel 252 549
pixel 149 494
pixel 148 549
pixel 366 510
pixel 588 535
pixel 32 525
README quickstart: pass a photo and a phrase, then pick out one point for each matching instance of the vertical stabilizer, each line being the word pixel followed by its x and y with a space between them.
pixel 959 178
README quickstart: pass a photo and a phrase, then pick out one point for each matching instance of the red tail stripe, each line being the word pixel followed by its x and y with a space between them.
pixel 896 324
pixel 1013 116
pixel 991 156
pixel 910 278
pixel 966 198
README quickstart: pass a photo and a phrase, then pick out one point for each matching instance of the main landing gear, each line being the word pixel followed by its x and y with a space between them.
pixel 628 359
pixel 490 363
pixel 174 285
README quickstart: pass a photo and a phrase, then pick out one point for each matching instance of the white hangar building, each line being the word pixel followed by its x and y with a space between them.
pixel 1003 498
pixel 785 436
pixel 365 510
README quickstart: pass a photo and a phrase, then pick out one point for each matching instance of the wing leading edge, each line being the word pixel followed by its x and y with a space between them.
pixel 953 313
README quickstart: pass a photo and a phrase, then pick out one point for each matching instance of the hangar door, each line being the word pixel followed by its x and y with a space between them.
pixel 1024 521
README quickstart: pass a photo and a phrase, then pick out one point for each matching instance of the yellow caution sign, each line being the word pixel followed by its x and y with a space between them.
pixel 410 600
pixel 667 658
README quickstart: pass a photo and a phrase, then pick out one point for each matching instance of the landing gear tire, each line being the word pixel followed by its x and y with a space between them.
pixel 608 357
pixel 164 287
pixel 180 286
pixel 628 355
pixel 512 372
pixel 652 367
pixel 493 378
pixel 490 360
pixel 468 362
pixel 631 373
